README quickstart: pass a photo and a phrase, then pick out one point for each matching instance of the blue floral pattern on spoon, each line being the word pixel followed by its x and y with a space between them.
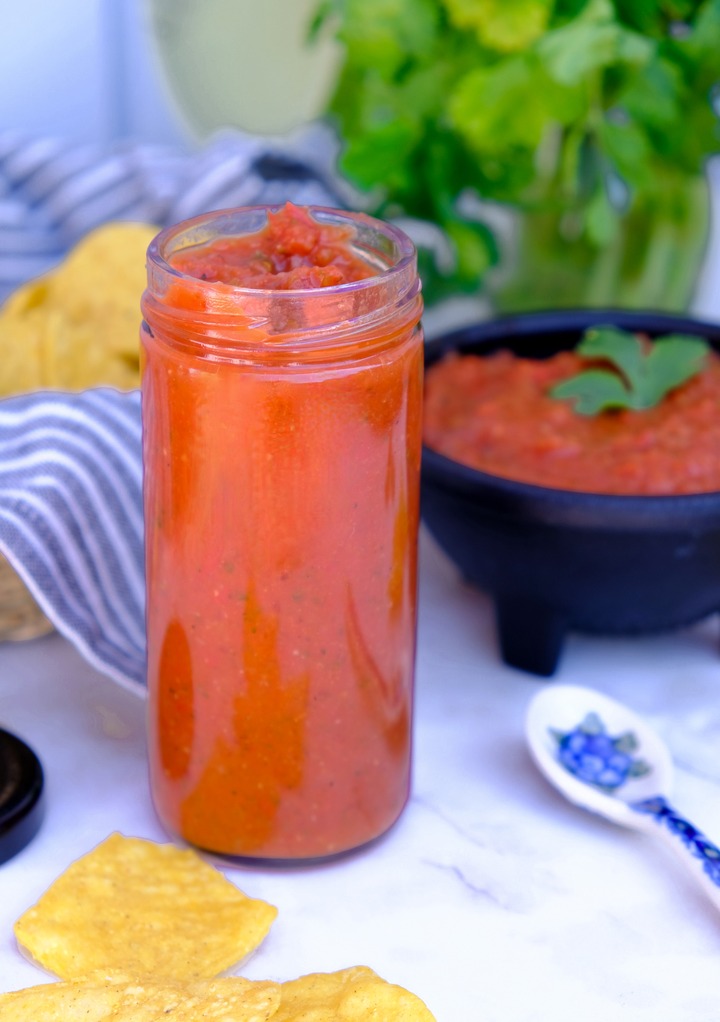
pixel 595 757
pixel 589 753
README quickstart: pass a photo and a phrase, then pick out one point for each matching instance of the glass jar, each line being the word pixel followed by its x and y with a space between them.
pixel 282 438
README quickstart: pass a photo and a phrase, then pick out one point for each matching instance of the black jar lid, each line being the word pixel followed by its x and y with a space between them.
pixel 21 789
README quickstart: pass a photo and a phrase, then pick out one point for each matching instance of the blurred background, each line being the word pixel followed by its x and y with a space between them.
pixel 160 71
pixel 409 87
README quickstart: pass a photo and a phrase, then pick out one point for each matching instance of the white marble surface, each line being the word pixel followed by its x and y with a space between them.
pixel 492 898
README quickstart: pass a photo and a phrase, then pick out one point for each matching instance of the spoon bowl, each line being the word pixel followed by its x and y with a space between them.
pixel 605 758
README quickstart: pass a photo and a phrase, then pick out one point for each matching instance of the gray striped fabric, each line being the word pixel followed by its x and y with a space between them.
pixel 71 520
pixel 70 464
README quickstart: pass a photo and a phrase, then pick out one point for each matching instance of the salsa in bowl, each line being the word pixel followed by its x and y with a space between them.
pixel 566 557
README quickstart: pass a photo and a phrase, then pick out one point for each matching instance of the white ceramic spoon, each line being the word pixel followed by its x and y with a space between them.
pixel 604 758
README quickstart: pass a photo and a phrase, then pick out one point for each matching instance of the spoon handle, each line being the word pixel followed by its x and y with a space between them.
pixel 698 853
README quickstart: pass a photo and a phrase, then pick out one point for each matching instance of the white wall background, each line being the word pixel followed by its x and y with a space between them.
pixel 83 69
pixel 91 69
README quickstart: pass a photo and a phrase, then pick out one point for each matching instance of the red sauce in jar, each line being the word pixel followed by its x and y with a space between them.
pixel 494 413
pixel 281 520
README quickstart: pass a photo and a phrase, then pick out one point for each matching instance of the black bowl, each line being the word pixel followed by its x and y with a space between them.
pixel 555 560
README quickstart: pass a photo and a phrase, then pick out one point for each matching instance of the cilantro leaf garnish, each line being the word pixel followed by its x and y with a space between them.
pixel 637 376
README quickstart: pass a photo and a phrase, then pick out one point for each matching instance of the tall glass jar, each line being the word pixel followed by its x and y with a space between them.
pixel 282 436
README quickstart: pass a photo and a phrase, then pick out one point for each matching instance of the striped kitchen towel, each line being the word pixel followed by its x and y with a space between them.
pixel 71 521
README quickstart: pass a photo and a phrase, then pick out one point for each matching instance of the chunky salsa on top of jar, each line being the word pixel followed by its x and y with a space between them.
pixel 292 252
pixel 494 413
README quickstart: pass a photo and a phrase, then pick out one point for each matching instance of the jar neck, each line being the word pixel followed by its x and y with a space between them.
pixel 226 322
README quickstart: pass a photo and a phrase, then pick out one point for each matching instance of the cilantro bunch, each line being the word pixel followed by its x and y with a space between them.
pixel 584 112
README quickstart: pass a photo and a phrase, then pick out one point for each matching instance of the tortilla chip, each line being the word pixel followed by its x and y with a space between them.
pixel 225 1000
pixel 64 1002
pixel 230 999
pixel 142 909
pixel 350 995
pixel 73 360
pixel 78 326
pixel 28 296
pixel 21 356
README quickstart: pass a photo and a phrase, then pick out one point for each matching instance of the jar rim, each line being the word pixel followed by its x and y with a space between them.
pixel 233 320
pixel 404 246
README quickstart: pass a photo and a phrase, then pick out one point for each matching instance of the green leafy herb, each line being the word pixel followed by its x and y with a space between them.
pixel 584 112
pixel 638 376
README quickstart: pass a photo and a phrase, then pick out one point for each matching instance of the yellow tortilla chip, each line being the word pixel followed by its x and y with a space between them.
pixel 72 360
pixel 64 1002
pixel 224 1000
pixel 104 276
pixel 27 297
pixel 78 326
pixel 229 999
pixel 350 995
pixel 21 360
pixel 142 909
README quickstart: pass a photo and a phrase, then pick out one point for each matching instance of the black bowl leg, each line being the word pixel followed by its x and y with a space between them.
pixel 530 634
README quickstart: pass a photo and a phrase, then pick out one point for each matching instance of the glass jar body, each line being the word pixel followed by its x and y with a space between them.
pixel 281 502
